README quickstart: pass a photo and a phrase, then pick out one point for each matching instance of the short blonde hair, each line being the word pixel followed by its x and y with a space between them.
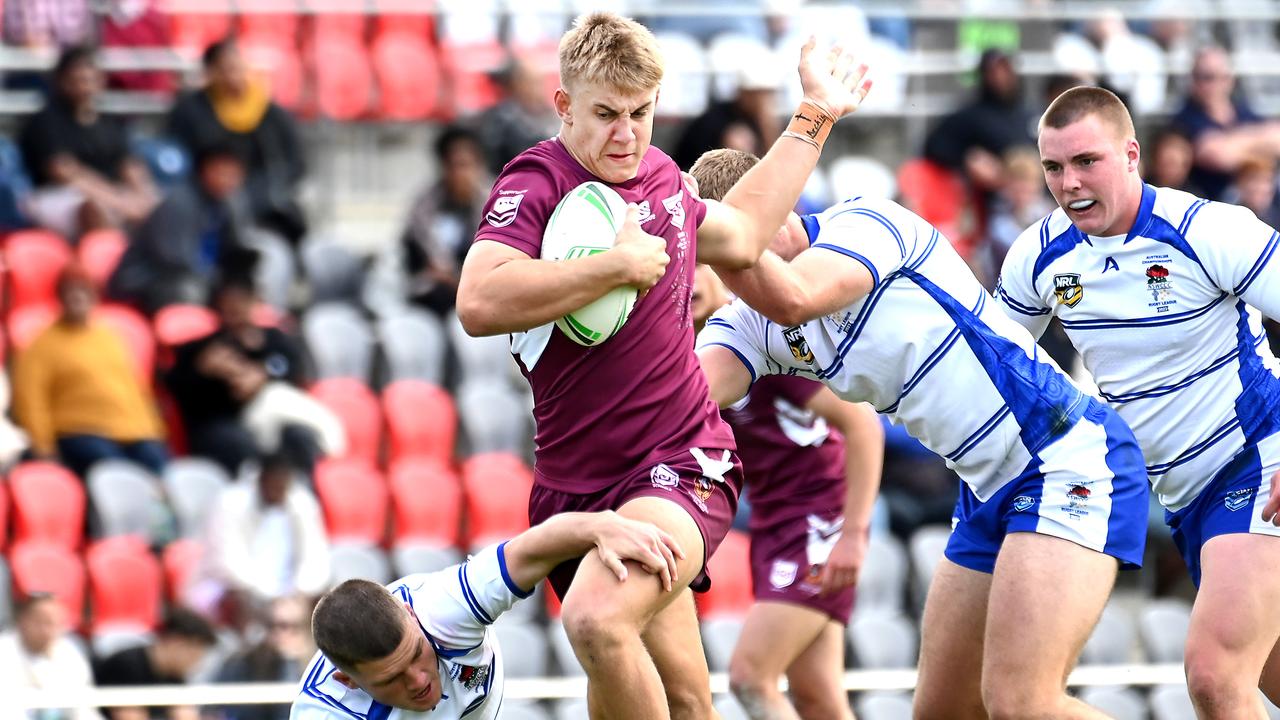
pixel 611 50
pixel 1080 102
pixel 1023 163
pixel 718 170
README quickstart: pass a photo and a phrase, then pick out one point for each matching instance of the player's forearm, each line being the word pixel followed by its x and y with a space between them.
pixel 771 288
pixel 523 294
pixel 864 461
pixel 534 553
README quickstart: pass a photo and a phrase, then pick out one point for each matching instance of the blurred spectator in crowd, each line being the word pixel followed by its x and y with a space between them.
pixel 235 108
pixel 214 378
pixel 84 175
pixel 1255 188
pixel 1224 129
pixel 140 24
pixel 1020 202
pixel 280 656
pixel 14 441
pixel 443 220
pixel 38 654
pixel 179 647
pixel 79 393
pixel 748 122
pixel 46 23
pixel 265 539
pixel 175 255
pixel 1168 159
pixel 973 139
pixel 523 118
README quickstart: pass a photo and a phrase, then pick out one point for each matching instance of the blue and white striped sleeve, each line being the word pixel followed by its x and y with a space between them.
pixel 867 232
pixel 740 329
pixel 1239 252
pixel 1015 291
pixel 483 586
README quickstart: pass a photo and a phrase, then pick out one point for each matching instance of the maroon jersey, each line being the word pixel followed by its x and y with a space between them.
pixel 639 398
pixel 793 463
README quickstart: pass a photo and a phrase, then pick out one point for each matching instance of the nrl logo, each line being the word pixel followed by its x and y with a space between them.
pixel 799 346
pixel 1068 289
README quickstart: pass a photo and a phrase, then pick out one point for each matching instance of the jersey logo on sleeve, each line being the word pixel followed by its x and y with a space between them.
pixel 505 208
pixel 674 206
pixel 644 212
pixel 799 346
pixel 1068 289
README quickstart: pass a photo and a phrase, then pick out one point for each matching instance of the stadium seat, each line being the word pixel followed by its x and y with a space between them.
pixel 191 33
pixel 333 271
pixel 1112 641
pixel 135 332
pixel 1171 702
pixel 940 197
pixel 925 547
pixel 181 558
pixel 357 407
pixel 426 499
pixel 882 583
pixel 686 86
pixel 126 499
pixel 523 709
pixel 6 594
pixel 48 505
pixel 274 273
pixel 469 68
pixel 28 321
pixel 343 82
pixel 883 641
pixel 530 661
pixel 345 18
pixel 1119 703
pixel 1163 625
pixel 193 485
pixel 179 324
pixel 276 60
pixel 884 705
pixel 730 571
pixel 339 339
pixel 99 252
pixel 353 495
pixel 112 641
pixel 729 708
pixel 4 519
pixel 729 52
pixel 562 649
pixel 45 567
pixel 422 24
pixel 494 416
pixel 480 358
pixel 496 487
pixel 409 76
pixel 571 709
pixel 125 585
pixel 719 638
pixel 853 176
pixel 414 344
pixel 281 26
pixel 421 420
pixel 34 259
pixel 411 559
pixel 358 561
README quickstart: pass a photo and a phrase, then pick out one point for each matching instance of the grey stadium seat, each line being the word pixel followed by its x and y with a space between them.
pixel 414 344
pixel 333 271
pixel 1120 703
pixel 126 500
pixel 193 485
pixel 524 648
pixel 347 561
pixel 882 583
pixel 571 709
pixel 6 594
pixel 410 558
pixel 884 640
pixel 729 709
pixel 480 358
pixel 926 546
pixel 522 710
pixel 340 341
pixel 494 417
pixel 1163 626
pixel 274 273
pixel 884 705
pixel 719 637
pixel 1171 702
pixel 1113 639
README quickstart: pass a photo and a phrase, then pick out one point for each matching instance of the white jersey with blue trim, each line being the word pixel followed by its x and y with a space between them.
pixel 454 607
pixel 927 347
pixel 1166 319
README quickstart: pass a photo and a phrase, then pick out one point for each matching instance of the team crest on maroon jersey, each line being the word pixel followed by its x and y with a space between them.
pixel 505 208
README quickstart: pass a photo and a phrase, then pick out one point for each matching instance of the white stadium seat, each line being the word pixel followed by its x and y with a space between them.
pixel 884 640
pixel 884 705
pixel 1163 626
pixel 1119 703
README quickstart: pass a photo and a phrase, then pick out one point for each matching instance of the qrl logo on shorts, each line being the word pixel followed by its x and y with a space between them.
pixel 782 574
pixel 664 477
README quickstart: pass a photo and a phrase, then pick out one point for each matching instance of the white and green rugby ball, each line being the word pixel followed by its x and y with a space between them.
pixel 586 222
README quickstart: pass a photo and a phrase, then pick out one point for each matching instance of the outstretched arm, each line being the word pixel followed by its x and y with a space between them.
pixel 816 283
pixel 534 553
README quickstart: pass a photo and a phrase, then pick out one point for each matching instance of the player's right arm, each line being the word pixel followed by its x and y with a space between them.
pixel 534 553
pixel 503 289
pixel 1015 292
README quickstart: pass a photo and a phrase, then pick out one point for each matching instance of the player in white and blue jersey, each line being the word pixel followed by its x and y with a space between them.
pixel 420 647
pixel 1160 292
pixel 881 308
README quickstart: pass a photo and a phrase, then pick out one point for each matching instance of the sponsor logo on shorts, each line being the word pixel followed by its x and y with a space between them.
pixel 1022 503
pixel 782 574
pixel 1068 289
pixel 664 477
pixel 799 346
pixel 505 208
pixel 1238 499
pixel 701 492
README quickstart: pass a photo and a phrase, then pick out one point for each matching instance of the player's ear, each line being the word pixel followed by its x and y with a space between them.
pixel 561 101
pixel 1133 154
pixel 345 679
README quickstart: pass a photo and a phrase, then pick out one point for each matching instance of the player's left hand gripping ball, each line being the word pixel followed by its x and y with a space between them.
pixel 834 80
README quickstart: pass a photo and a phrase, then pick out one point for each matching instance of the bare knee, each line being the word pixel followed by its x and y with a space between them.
pixel 821 702
pixel 687 702
pixel 1215 680
pixel 597 632
pixel 1015 699
pixel 938 708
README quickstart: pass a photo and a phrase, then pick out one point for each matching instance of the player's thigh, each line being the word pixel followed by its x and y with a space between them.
pixel 774 635
pixel 816 676
pixel 951 643
pixel 676 521
pixel 674 641
pixel 1235 623
pixel 1047 593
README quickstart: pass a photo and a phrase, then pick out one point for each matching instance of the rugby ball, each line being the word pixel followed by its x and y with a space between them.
pixel 585 223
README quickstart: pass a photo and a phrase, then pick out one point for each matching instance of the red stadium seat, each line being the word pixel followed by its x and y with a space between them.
pixel 125 585
pixel 4 516
pixel 281 26
pixel 421 419
pixel 357 407
pixel 44 567
pixel 178 324
pixel 180 560
pixel 48 505
pixel 34 259
pixel 193 32
pixel 426 500
pixel 421 24
pixel 939 196
pixel 343 81
pixel 469 68
pixel 496 487
pixel 354 497
pixel 99 252
pixel 28 321
pixel 408 75
pixel 346 20
pixel 552 602
pixel 135 332
pixel 279 64
pixel 730 571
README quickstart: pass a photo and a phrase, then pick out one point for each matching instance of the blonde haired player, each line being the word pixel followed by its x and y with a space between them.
pixel 628 425
pixel 1160 292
